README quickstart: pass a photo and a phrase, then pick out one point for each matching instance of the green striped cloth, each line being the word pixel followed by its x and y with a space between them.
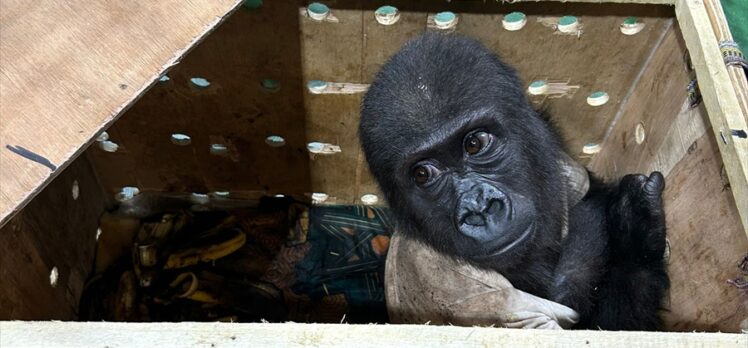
pixel 736 12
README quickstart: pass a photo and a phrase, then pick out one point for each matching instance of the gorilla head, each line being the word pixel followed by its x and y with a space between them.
pixel 463 160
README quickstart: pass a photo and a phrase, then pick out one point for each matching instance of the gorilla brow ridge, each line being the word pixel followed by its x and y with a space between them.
pixel 456 125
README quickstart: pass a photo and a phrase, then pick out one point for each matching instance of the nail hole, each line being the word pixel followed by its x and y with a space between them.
pixel 538 87
pixel 104 136
pixel 598 98
pixel 387 15
pixel 75 189
pixel 445 20
pixel 200 82
pixel 54 274
pixel 315 147
pixel 275 141
pixel 218 149
pixel 631 26
pixel 369 199
pixel 164 79
pixel 108 146
pixel 252 4
pixel 322 148
pixel 199 198
pixel 180 139
pixel 316 86
pixel 514 21
pixel 319 197
pixel 317 11
pixel 591 148
pixel 122 86
pixel 270 85
pixel 567 24
pixel 639 133
pixel 126 193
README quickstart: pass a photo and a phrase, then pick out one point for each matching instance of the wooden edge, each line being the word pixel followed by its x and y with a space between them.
pixel 101 334
pixel 720 98
pixel 7 214
pixel 722 30
pixel 653 2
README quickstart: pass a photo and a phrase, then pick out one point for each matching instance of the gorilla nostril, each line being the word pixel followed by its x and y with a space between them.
pixel 495 206
pixel 475 220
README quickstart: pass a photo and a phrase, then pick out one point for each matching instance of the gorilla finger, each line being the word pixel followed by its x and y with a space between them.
pixel 655 183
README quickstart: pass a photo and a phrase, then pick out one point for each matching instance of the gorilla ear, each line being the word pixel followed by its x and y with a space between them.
pixel 577 179
pixel 575 188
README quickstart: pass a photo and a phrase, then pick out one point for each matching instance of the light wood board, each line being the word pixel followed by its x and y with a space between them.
pixel 720 98
pixel 69 68
pixel 61 334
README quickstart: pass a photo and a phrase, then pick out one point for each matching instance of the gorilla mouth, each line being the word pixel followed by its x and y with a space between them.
pixel 503 248
pixel 473 219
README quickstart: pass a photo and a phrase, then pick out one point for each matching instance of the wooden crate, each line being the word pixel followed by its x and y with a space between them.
pixel 71 70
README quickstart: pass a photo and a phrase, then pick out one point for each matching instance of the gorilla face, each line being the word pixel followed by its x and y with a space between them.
pixel 486 210
pixel 465 163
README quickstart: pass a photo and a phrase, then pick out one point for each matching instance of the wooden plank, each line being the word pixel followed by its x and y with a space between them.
pixel 94 334
pixel 654 2
pixel 719 96
pixel 71 67
pixel 55 231
pixel 333 52
pixel 722 31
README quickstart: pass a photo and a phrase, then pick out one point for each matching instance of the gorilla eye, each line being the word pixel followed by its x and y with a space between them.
pixel 421 174
pixel 475 142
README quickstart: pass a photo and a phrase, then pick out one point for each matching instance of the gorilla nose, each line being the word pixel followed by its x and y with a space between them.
pixel 482 211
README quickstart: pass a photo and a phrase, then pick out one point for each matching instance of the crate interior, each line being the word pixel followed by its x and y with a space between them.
pixel 258 66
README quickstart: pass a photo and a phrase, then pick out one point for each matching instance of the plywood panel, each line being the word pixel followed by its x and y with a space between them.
pixel 599 59
pixel 657 99
pixel 706 244
pixel 235 110
pixel 704 230
pixel 55 230
pixel 70 67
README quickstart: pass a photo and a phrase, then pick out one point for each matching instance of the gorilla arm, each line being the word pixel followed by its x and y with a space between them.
pixel 423 285
pixel 583 259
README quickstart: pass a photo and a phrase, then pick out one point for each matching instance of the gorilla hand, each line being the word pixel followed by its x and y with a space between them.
pixel 637 219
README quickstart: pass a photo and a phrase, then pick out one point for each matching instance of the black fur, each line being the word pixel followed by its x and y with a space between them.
pixel 419 110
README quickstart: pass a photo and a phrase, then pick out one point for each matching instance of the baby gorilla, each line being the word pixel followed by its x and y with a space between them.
pixel 468 167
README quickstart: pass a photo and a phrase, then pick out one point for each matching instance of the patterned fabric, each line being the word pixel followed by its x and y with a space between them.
pixel 348 250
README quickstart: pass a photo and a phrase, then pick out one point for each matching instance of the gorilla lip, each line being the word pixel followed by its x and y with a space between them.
pixel 526 234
